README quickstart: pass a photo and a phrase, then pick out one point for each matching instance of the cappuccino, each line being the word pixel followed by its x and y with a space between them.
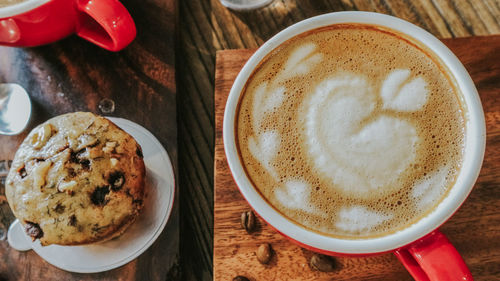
pixel 351 130
pixel 5 3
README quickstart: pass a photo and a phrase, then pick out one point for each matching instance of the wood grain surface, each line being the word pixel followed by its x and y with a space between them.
pixel 74 75
pixel 207 27
pixel 204 28
pixel 474 229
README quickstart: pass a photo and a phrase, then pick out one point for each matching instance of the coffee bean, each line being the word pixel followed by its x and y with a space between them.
pixel 322 263
pixel 264 253
pixel 248 221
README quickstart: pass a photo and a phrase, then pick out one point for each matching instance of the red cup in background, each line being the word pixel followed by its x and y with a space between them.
pixel 422 248
pixel 105 23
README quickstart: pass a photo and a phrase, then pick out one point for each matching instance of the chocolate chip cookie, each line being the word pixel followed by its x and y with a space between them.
pixel 76 179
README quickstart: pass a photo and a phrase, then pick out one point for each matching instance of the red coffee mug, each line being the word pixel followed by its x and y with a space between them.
pixel 105 23
pixel 422 248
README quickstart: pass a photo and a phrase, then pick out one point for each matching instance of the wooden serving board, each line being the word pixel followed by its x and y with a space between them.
pixel 474 229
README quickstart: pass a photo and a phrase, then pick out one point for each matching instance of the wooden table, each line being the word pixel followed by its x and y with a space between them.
pixel 144 74
pixel 208 27
pixel 74 75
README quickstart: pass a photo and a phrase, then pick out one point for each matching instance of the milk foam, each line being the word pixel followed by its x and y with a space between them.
pixel 357 219
pixel 351 132
pixel 295 195
pixel 264 148
pixel 359 159
pixel 401 96
pixel 430 189
pixel 301 61
pixel 266 102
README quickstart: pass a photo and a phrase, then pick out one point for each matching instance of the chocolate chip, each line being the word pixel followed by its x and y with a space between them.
pixel 71 172
pixel 72 220
pixel 98 197
pixel 33 230
pixel 22 172
pixel 116 180
pixel 76 157
pixel 240 278
pixel 138 151
pixel 94 144
pixel 59 208
pixel 137 201
pixel 85 164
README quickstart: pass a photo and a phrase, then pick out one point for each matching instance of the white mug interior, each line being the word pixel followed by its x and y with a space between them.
pixel 20 8
pixel 475 139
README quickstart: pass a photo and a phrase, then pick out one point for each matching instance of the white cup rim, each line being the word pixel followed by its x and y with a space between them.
pixel 474 141
pixel 20 8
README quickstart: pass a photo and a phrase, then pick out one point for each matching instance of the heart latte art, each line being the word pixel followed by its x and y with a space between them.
pixel 351 131
pixel 363 157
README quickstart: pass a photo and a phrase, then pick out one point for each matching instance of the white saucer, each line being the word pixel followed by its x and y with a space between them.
pixel 137 239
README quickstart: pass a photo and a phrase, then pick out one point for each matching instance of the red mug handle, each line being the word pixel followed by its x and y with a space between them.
pixel 105 23
pixel 433 258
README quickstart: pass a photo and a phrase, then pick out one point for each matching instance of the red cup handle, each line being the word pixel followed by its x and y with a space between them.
pixel 105 23
pixel 433 258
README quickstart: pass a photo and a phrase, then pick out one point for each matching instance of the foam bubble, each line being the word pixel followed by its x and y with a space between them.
pixel 295 195
pixel 401 93
pixel 359 219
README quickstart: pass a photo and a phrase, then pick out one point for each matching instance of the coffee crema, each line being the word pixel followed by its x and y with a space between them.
pixel 351 130
pixel 5 3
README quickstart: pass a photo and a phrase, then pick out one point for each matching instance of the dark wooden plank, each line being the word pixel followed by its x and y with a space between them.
pixel 234 250
pixel 73 75
pixel 207 27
